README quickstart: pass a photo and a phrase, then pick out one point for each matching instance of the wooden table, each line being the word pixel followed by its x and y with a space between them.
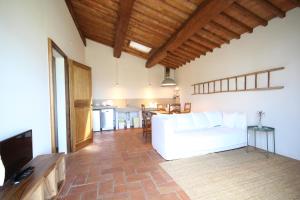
pixel 44 183
pixel 163 112
pixel 157 112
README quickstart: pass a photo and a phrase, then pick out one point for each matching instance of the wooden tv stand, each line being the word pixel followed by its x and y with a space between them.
pixel 44 183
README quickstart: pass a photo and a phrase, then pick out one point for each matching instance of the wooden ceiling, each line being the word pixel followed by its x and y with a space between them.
pixel 178 31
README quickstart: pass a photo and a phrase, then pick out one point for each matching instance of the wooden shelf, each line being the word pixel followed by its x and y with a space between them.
pixel 210 87
pixel 44 183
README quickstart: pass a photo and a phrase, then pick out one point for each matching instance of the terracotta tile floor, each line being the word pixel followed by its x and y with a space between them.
pixel 118 165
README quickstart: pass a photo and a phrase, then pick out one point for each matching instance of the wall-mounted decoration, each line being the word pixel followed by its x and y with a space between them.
pixel 255 81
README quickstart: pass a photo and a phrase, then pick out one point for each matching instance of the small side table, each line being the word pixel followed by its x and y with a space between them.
pixel 264 129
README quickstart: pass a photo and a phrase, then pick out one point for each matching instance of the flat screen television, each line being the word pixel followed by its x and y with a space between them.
pixel 16 152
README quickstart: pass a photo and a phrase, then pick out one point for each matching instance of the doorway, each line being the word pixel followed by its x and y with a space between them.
pixel 59 99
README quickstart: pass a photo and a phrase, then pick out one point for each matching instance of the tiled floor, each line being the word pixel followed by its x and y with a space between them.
pixel 119 165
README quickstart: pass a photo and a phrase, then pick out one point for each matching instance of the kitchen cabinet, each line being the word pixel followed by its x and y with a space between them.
pixel 128 115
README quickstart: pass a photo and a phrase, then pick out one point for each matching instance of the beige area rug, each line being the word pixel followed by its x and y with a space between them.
pixel 237 174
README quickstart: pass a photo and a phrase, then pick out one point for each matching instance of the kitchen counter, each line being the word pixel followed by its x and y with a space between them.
pixel 118 109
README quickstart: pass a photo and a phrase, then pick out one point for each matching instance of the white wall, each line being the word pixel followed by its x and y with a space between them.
pixel 133 77
pixel 278 44
pixel 61 29
pixel 24 85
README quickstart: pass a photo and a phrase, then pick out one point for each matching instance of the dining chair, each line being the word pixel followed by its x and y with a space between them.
pixel 143 107
pixel 187 107
pixel 175 108
pixel 161 107
pixel 147 130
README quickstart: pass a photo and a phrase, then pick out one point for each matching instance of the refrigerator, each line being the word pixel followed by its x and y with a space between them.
pixel 107 119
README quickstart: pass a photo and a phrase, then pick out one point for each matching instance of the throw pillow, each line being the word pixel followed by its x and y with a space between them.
pixel 214 118
pixel 229 119
pixel 184 122
pixel 200 120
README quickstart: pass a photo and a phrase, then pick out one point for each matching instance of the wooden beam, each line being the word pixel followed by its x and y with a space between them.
pixel 173 56
pixel 207 41
pixel 122 25
pixel 185 50
pixel 205 12
pixel 70 7
pixel 167 64
pixel 296 2
pixel 176 58
pixel 271 6
pixel 191 50
pixel 250 14
pixel 198 45
pixel 233 20
pixel 169 60
pixel 225 30
pixel 218 36
pixel 180 56
pixel 180 51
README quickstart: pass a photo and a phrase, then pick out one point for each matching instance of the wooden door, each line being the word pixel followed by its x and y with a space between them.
pixel 80 87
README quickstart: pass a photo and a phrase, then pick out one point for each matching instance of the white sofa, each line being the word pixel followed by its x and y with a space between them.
pixel 186 135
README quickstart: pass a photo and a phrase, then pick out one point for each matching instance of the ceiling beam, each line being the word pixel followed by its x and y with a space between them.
pixel 70 7
pixel 271 6
pixel 296 2
pixel 249 13
pixel 190 50
pixel 196 46
pixel 215 35
pixel 238 22
pixel 186 54
pixel 208 42
pixel 224 29
pixel 167 64
pixel 167 59
pixel 186 59
pixel 205 12
pixel 122 26
pixel 176 58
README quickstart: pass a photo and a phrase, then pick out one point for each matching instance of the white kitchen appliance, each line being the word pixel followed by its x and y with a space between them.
pixel 107 119
pixel 96 120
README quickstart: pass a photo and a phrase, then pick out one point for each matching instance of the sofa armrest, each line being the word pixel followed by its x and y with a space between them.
pixel 162 131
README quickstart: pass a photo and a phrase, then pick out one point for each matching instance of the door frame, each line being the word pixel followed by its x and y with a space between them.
pixel 53 46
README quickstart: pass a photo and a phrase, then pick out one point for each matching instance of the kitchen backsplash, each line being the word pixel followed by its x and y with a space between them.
pixel 133 102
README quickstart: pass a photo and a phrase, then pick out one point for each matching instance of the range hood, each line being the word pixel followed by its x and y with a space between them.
pixel 168 81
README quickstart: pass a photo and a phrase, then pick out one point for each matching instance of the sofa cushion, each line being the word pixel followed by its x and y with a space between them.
pixel 229 119
pixel 208 138
pixel 214 118
pixel 200 120
pixel 184 122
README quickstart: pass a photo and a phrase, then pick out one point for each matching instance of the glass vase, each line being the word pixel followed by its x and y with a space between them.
pixel 259 125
